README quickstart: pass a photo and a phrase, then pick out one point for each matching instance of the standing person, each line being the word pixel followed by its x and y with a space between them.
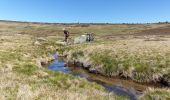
pixel 66 35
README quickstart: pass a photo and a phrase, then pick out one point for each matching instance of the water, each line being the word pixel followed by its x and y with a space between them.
pixel 59 66
pixel 117 86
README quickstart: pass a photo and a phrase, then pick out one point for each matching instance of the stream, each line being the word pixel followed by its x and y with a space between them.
pixel 115 85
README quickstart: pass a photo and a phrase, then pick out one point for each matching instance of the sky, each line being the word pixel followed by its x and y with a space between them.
pixel 86 11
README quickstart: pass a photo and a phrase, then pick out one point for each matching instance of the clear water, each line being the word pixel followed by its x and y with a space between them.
pixel 117 86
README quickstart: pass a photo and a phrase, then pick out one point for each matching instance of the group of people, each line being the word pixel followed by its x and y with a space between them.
pixel 89 36
pixel 66 35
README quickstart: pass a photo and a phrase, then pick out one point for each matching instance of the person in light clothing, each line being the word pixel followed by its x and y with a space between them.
pixel 56 55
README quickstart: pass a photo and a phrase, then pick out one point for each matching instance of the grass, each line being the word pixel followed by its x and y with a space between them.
pixel 77 54
pixel 26 69
pixel 114 51
pixel 110 64
pixel 152 94
pixel 136 58
pixel 22 79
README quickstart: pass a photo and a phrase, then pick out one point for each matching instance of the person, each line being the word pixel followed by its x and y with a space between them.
pixel 56 55
pixel 66 35
pixel 90 37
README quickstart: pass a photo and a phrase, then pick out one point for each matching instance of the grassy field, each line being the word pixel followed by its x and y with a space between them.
pixel 118 50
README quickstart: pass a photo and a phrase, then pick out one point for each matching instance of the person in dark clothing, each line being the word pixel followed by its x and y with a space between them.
pixel 66 35
pixel 89 37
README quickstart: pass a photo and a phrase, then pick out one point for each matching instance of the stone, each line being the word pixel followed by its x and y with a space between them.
pixel 93 70
pixel 80 39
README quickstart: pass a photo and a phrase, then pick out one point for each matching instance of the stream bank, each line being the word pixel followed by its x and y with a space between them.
pixel 161 81
pixel 115 85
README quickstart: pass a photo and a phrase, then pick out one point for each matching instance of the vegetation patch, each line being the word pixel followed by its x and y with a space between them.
pixel 152 94
pixel 26 69
pixel 109 63
pixel 77 54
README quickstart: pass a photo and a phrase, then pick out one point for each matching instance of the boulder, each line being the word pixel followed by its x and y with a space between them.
pixel 80 39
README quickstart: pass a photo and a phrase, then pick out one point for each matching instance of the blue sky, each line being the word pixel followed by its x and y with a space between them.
pixel 97 11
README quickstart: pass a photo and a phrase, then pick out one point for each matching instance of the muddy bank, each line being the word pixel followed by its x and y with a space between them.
pixel 159 81
pixel 113 85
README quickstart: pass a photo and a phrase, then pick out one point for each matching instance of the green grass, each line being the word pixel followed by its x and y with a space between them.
pixel 137 60
pixel 9 56
pixel 156 94
pixel 77 54
pixel 26 69
pixel 109 63
pixel 112 49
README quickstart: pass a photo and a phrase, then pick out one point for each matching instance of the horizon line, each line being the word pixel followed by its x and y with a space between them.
pixel 37 22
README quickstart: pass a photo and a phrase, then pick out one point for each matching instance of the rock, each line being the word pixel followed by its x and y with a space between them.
pixel 80 39
pixel 93 70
